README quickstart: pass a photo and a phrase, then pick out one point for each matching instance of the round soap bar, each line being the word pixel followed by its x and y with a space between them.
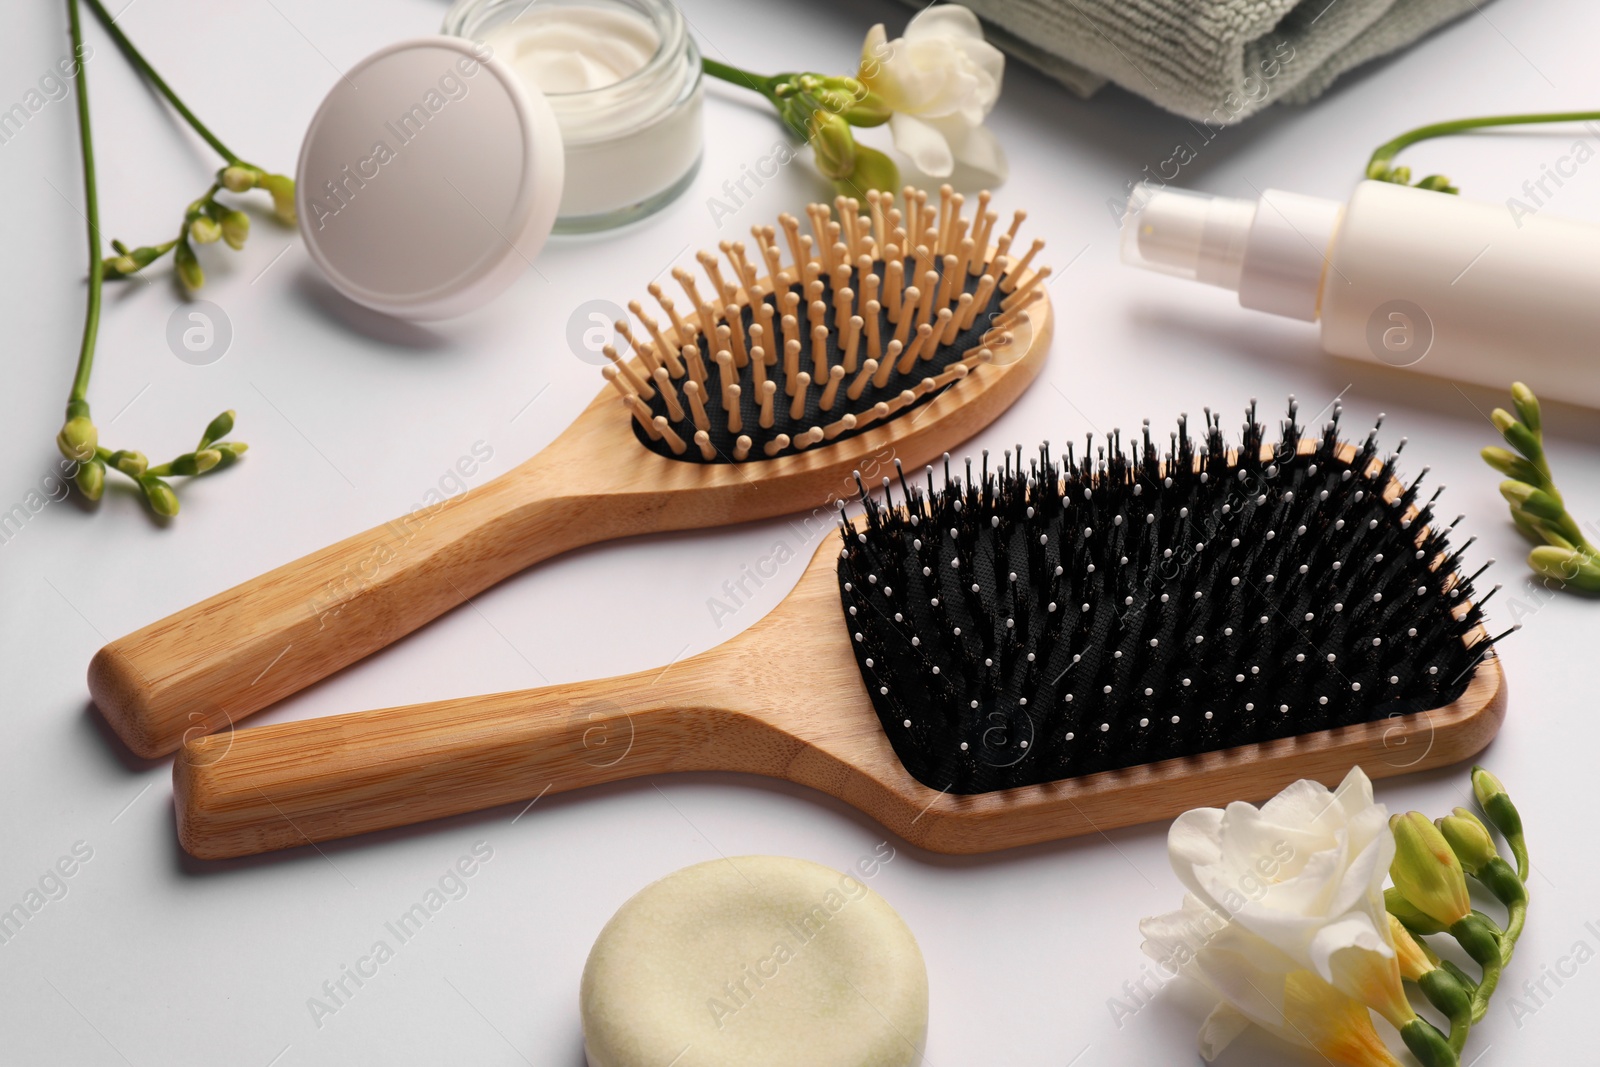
pixel 755 960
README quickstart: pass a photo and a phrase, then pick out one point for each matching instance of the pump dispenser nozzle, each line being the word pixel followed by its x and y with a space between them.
pixel 1271 251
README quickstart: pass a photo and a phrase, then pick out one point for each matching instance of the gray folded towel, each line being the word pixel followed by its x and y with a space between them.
pixel 1217 61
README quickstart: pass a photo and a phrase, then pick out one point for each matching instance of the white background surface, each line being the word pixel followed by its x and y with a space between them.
pixel 152 958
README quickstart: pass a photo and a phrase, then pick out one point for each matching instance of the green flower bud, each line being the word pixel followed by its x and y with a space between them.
pixel 873 170
pixel 204 230
pixel 1437 183
pixel 834 145
pixel 1400 175
pixel 1428 1045
pixel 121 266
pixel 235 228
pixel 230 451
pixel 1527 406
pixel 78 438
pixel 221 426
pixel 189 271
pixel 1495 802
pixel 867 110
pixel 192 463
pixel 1446 992
pixel 129 462
pixel 1511 465
pixel 1426 872
pixel 1543 505
pixel 1408 914
pixel 159 495
pixel 237 179
pixel 1515 492
pixel 1570 566
pixel 282 190
pixel 1478 936
pixel 1378 170
pixel 1468 838
pixel 1518 436
pixel 91 479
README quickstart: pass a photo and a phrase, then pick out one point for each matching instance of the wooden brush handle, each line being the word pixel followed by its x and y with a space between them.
pixel 273 787
pixel 210 665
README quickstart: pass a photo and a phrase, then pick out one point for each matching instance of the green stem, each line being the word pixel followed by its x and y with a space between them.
pixel 1387 151
pixel 160 83
pixel 1480 999
pixel 91 316
pixel 737 76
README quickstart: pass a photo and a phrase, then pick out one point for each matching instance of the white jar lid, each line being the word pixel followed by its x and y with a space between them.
pixel 429 179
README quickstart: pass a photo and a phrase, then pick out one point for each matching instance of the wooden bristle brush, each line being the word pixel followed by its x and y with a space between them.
pixel 1022 654
pixel 890 328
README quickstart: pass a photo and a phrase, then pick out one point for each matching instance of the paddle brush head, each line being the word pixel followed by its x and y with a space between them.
pixel 882 305
pixel 1019 626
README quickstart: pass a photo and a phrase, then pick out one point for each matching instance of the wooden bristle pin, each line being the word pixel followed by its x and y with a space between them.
pixel 1015 270
pixel 702 441
pixel 673 440
pixel 859 385
pixel 830 393
pixel 669 394
pixel 844 424
pixel 797 406
pixel 726 378
pixel 791 364
pixel 697 405
pixel 614 378
pixel 768 391
pixel 908 314
pixel 692 360
pixel 888 365
pixel 852 343
pixel 874 340
pixel 641 415
pixel 628 373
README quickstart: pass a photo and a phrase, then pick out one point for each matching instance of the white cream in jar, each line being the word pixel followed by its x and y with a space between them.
pixel 623 79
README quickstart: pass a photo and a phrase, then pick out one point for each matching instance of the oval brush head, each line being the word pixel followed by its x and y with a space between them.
pixel 878 311
pixel 1022 626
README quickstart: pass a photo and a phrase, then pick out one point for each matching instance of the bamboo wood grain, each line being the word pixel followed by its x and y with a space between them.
pixel 804 717
pixel 228 657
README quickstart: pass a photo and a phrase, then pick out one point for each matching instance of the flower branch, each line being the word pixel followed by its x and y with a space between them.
pixel 1381 166
pixel 205 221
pixel 1564 553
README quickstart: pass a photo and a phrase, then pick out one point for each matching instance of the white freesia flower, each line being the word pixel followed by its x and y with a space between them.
pixel 1286 912
pixel 941 80
pixel 1257 983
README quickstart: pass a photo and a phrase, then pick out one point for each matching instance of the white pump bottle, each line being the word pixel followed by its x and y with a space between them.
pixel 1402 276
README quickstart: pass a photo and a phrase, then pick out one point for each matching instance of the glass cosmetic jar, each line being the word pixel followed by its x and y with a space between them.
pixel 623 78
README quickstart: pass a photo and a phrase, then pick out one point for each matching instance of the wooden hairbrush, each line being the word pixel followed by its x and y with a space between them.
pixel 759 397
pixel 979 668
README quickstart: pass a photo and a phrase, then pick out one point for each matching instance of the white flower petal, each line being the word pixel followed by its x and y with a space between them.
pixel 1195 840
pixel 1220 1028
pixel 1334 945
pixel 978 150
pixel 926 146
pixel 944 20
